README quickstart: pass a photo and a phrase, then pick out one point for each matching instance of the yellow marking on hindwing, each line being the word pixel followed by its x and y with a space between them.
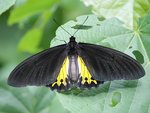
pixel 62 74
pixel 84 72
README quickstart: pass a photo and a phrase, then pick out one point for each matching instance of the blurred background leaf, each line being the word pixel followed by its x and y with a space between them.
pixel 38 16
pixel 30 8
pixel 28 27
pixel 5 5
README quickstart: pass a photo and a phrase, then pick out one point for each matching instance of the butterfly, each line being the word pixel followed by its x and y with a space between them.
pixel 75 64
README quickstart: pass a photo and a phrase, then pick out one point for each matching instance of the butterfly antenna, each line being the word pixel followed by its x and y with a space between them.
pixel 61 40
pixel 80 26
pixel 62 27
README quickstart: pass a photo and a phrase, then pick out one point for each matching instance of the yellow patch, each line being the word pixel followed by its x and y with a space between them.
pixel 84 72
pixel 62 76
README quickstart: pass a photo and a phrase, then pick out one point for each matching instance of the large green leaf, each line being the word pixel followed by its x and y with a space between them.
pixel 5 5
pixel 121 96
pixel 127 11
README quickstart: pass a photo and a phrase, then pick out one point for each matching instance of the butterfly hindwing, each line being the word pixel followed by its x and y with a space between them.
pixel 85 79
pixel 62 82
pixel 39 69
pixel 108 64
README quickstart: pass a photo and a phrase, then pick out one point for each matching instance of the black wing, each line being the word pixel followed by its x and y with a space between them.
pixel 39 69
pixel 108 64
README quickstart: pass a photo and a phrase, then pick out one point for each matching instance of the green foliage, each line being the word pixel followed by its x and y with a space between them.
pixel 111 97
pixel 31 7
pixel 34 35
pixel 127 11
pixel 39 15
pixel 5 5
pixel 33 10
pixel 27 44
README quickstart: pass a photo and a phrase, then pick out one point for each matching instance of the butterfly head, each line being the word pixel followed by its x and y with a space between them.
pixel 72 39
pixel 72 44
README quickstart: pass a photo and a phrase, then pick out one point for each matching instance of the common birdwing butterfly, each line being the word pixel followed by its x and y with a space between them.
pixel 75 64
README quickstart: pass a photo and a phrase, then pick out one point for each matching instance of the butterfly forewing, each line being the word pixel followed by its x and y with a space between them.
pixel 108 64
pixel 40 69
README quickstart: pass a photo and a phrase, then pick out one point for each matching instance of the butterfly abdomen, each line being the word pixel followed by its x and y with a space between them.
pixel 73 70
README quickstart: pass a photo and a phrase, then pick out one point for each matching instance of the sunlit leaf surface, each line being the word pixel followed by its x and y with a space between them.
pixel 127 11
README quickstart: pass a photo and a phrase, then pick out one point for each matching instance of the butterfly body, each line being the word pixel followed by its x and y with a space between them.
pixel 73 69
pixel 75 65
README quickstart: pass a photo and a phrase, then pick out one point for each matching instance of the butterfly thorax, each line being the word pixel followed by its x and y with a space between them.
pixel 72 53
pixel 72 43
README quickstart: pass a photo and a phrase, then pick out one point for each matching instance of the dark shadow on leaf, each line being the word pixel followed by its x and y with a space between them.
pixel 101 18
pixel 124 84
pixel 130 47
pixel 139 57
pixel 103 88
pixel 83 27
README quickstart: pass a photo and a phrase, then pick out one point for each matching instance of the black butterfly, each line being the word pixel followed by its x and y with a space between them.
pixel 75 64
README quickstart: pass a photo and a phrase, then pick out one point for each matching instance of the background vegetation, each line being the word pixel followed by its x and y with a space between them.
pixel 27 26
